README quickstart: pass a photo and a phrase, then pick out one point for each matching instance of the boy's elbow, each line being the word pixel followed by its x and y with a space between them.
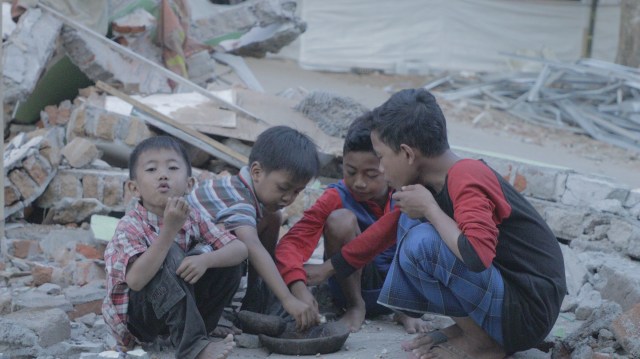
pixel 240 250
pixel 244 251
pixel 134 285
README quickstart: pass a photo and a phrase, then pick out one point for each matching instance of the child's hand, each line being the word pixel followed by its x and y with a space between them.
pixel 302 292
pixel 175 213
pixel 415 201
pixel 316 274
pixel 305 315
pixel 192 268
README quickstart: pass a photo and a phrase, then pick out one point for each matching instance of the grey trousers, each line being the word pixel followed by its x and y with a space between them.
pixel 169 305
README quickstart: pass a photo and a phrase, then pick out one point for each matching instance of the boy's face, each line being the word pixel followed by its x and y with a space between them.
pixel 362 176
pixel 160 174
pixel 396 166
pixel 275 190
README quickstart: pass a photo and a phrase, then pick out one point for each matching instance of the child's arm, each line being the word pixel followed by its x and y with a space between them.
pixel 193 267
pixel 305 315
pixel 418 202
pixel 301 291
pixel 298 244
pixel 142 270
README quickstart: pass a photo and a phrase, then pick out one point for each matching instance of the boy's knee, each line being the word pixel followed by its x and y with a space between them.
pixel 420 243
pixel 174 257
pixel 341 225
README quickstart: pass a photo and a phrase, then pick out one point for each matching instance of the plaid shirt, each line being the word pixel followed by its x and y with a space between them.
pixel 230 200
pixel 134 234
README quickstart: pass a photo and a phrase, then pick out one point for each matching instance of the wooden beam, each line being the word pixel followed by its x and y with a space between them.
pixel 187 134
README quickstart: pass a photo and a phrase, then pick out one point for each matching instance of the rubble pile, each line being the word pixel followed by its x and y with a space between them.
pixel 65 167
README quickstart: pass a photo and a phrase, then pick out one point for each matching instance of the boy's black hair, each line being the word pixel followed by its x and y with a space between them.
pixel 283 148
pixel 157 143
pixel 412 117
pixel 358 138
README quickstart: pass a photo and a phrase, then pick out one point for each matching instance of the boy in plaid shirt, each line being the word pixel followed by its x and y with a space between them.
pixel 154 287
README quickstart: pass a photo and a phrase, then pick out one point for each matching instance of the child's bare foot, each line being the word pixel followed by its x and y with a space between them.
pixel 423 342
pixel 225 328
pixel 218 350
pixel 412 325
pixel 353 318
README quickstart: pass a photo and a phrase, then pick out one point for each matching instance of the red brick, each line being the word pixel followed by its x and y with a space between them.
pixel 41 274
pixel 24 183
pixel 520 182
pixel 88 251
pixel 136 132
pixel 87 271
pixel 626 329
pixel 79 125
pixel 36 169
pixel 23 248
pixel 69 186
pixel 106 127
pixel 85 308
pixel 11 195
pixel 52 113
pixel 113 190
pixel 91 187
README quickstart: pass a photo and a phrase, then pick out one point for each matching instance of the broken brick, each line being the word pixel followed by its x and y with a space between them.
pixel 27 186
pixel 88 251
pixel 37 169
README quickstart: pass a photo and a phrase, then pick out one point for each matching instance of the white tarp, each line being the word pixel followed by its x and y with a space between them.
pixel 413 36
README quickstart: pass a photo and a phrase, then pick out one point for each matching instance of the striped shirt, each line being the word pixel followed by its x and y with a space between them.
pixel 134 234
pixel 230 200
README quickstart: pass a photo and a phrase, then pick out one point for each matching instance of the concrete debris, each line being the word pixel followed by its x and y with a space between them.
pixel 29 165
pixel 264 26
pixel 332 113
pixel 27 52
pixel 100 63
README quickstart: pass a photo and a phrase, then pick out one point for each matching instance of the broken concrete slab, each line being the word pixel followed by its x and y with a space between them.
pixel 100 63
pixel 27 51
pixel 29 332
pixel 251 28
pixel 331 112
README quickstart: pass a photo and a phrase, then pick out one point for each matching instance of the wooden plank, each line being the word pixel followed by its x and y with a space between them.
pixel 184 133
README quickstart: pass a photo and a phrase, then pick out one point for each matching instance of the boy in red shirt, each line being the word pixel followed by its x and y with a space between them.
pixel 343 211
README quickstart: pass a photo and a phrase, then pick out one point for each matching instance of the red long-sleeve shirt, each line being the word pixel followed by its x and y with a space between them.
pixel 297 246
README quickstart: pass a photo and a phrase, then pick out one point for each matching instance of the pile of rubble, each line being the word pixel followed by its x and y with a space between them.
pixel 65 163
pixel 590 97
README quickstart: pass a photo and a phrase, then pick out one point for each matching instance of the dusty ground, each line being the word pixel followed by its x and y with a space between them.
pixel 497 133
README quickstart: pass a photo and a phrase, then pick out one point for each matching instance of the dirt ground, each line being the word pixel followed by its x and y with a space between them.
pixel 498 133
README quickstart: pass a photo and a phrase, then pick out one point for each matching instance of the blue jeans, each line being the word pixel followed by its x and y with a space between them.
pixel 426 277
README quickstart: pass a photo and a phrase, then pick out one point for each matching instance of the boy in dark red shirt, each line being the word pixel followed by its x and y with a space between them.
pixel 343 211
pixel 469 245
